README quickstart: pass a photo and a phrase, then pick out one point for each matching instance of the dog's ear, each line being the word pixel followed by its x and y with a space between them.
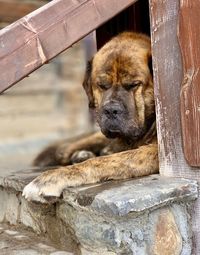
pixel 87 85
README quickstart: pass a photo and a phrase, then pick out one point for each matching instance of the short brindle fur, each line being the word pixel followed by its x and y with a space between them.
pixel 119 86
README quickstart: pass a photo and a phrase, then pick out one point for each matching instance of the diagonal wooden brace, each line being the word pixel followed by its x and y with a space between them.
pixel 38 37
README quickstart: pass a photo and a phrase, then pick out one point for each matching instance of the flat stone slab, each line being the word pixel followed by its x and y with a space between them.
pixel 17 180
pixel 116 217
pixel 117 197
pixel 133 196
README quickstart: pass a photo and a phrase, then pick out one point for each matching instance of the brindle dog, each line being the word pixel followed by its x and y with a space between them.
pixel 119 86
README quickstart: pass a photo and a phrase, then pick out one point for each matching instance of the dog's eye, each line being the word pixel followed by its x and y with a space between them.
pixel 132 85
pixel 104 86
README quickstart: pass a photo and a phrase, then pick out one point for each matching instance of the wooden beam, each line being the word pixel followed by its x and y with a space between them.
pixel 168 76
pixel 12 10
pixel 189 37
pixel 38 37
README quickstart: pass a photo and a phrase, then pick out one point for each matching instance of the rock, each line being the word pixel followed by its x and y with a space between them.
pixel 29 244
pixel 133 196
pixel 167 238
pixel 143 216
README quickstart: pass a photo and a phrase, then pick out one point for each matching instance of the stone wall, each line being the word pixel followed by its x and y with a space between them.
pixel 48 105
pixel 145 216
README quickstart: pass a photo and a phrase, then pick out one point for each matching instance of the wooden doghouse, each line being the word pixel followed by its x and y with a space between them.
pixel 30 42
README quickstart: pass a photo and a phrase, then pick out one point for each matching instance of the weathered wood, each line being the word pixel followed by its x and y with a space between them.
pixel 167 67
pixel 38 37
pixel 12 10
pixel 189 38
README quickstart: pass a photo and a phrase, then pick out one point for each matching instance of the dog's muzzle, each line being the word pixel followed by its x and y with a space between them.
pixel 112 111
pixel 112 116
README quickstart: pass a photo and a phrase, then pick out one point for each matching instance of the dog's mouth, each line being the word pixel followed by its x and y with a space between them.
pixel 110 129
pixel 129 134
pixel 111 133
pixel 121 127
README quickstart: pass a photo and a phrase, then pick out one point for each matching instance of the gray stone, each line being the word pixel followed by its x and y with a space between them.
pixel 9 210
pixel 20 237
pixel 134 196
pixel 45 247
pixel 11 232
pixel 3 244
pixel 26 243
pixel 61 253
pixel 119 217
pixel 26 252
pixel 18 180
pixel 99 252
pixel 129 234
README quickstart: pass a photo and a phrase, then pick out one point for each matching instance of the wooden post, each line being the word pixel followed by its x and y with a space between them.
pixel 189 38
pixel 168 76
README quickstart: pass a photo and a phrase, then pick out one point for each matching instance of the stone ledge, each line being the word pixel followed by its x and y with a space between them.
pixel 120 198
pixel 122 217
pixel 117 197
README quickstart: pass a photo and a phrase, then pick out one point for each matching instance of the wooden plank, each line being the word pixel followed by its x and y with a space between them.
pixel 12 10
pixel 189 37
pixel 38 37
pixel 168 73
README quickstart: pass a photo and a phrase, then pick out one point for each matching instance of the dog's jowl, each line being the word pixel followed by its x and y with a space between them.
pixel 119 86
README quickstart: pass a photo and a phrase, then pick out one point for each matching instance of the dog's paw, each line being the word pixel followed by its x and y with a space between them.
pixel 45 193
pixel 32 193
pixel 80 156
pixel 63 154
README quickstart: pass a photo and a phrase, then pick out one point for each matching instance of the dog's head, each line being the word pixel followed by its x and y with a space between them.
pixel 119 86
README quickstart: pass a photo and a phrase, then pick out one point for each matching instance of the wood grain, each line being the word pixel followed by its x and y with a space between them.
pixel 189 37
pixel 38 37
pixel 168 76
pixel 12 10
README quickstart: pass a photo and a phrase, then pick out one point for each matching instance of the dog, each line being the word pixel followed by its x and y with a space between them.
pixel 119 86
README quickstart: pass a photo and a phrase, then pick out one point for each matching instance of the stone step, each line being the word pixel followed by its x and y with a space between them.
pixel 149 215
pixel 19 241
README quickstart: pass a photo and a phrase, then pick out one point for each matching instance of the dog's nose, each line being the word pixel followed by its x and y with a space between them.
pixel 112 110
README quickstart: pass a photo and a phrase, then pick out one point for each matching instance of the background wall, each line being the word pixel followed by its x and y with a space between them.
pixel 48 105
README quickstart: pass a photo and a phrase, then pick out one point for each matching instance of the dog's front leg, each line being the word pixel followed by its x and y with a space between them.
pixel 133 163
pixel 61 153
pixel 92 143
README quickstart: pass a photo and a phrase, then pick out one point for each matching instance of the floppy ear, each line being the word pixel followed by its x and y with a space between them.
pixel 87 85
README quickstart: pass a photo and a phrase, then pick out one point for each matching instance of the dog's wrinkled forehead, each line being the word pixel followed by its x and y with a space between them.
pixel 121 63
pixel 120 69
